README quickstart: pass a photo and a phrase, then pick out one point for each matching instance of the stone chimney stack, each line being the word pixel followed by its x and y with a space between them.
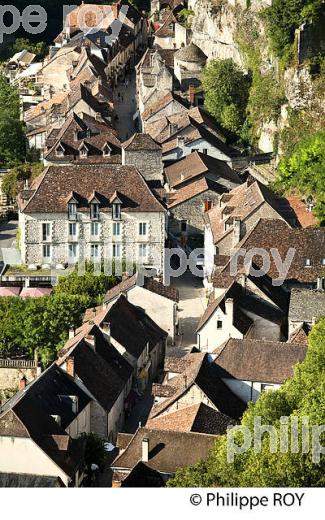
pixel 145 450
pixel 237 231
pixel 71 332
pixel 106 327
pixel 320 284
pixel 230 308
pixel 70 366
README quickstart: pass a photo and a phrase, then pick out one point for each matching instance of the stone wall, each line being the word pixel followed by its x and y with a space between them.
pixel 10 377
pixel 192 211
pixel 129 239
pixel 149 163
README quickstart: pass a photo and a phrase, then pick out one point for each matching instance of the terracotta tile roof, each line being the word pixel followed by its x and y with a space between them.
pixel 168 450
pixel 141 142
pixel 164 390
pixel 53 189
pixel 109 12
pixel 164 30
pixel 255 360
pixel 151 285
pixel 201 372
pixel 198 418
pixel 240 203
pixel 306 243
pixel 196 164
pixel 305 218
pixel 195 188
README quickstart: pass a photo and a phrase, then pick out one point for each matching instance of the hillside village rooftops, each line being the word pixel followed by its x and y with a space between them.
pixel 160 104
pixel 241 202
pixel 255 360
pixel 51 192
pixel 200 371
pixel 195 418
pixel 196 164
pixel 194 189
pixel 148 283
pixel 168 450
pixel 308 247
pixel 140 142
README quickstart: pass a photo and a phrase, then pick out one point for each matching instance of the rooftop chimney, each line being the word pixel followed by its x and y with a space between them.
pixel 70 366
pixel 237 231
pixel 106 327
pixel 230 308
pixel 145 450
pixel 71 332
pixel 320 284
pixel 22 383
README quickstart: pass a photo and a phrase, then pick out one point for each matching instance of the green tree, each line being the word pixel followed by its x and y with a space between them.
pixel 17 174
pixel 226 89
pixel 304 171
pixel 12 136
pixel 301 396
pixel 39 48
pixel 94 450
pixel 91 284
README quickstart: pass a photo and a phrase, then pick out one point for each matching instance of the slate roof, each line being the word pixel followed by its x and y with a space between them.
pixel 29 414
pixel 197 164
pixel 305 305
pixel 129 325
pixel 139 142
pixel 102 370
pixel 255 360
pixel 149 283
pixel 198 418
pixel 52 190
pixel 168 450
pixel 240 320
pixel 143 476
pixel 25 480
pixel 201 372
pixel 191 53
pixel 306 243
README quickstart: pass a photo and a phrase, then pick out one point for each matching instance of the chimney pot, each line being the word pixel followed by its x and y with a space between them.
pixel 229 307
pixel 22 383
pixel 70 366
pixel 71 332
pixel 145 449
pixel 320 284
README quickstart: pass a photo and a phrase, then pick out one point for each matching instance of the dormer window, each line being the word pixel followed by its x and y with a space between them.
pixel 116 211
pixel 107 151
pixel 94 211
pixel 72 210
pixel 59 151
pixel 83 151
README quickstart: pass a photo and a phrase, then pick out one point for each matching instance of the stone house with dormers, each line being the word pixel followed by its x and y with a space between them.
pixel 82 140
pixel 91 212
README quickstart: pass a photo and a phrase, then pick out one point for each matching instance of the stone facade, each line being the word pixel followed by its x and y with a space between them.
pixel 10 374
pixel 129 239
pixel 191 212
pixel 148 162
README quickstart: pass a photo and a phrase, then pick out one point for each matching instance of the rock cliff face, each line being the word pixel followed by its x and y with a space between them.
pixel 218 27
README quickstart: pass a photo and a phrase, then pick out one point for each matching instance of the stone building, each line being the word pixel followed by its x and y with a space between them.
pixel 189 63
pixel 142 152
pixel 91 212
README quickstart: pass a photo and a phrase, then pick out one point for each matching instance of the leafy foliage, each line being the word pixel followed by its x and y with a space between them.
pixel 22 172
pixel 42 324
pixel 304 171
pixel 226 90
pixel 12 137
pixel 284 17
pixel 302 396
pixel 94 450
pixel 39 48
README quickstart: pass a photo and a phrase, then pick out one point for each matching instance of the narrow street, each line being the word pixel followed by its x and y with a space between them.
pixel 192 304
pixel 125 107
